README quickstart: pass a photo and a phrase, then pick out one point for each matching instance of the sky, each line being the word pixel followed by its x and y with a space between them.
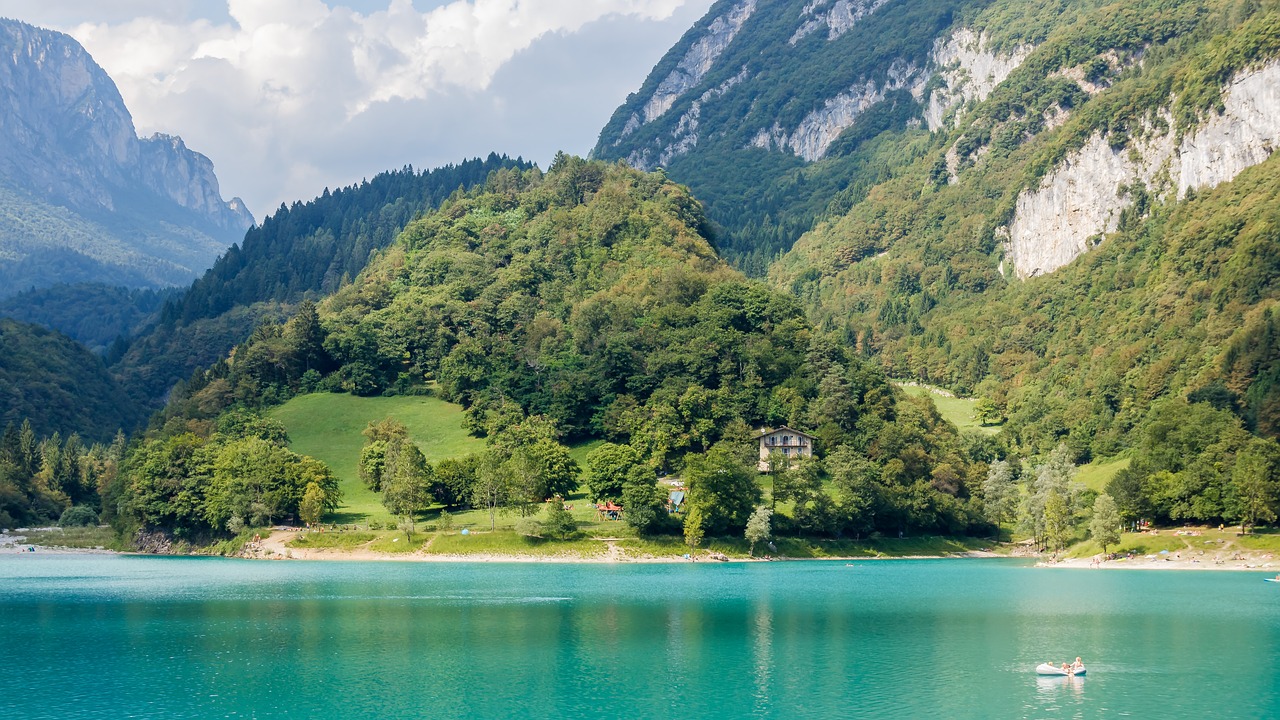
pixel 288 97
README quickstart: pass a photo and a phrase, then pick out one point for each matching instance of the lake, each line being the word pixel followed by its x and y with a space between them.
pixel 154 637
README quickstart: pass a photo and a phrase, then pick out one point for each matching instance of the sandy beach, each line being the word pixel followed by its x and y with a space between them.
pixel 1247 561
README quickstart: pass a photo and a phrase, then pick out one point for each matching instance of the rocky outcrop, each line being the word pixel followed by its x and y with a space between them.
pixel 967 70
pixel 65 131
pixel 820 128
pixel 837 17
pixel 685 137
pixel 1081 200
pixel 695 64
pixel 965 67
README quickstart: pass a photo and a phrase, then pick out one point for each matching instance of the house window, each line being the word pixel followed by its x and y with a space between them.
pixel 785 451
pixel 786 439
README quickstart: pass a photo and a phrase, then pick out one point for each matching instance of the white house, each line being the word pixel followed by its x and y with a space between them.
pixel 791 443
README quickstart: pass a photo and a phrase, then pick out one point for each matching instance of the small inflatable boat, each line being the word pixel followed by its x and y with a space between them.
pixel 1274 579
pixel 1053 670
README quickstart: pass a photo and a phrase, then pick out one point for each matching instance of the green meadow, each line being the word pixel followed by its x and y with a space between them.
pixel 328 427
pixel 957 410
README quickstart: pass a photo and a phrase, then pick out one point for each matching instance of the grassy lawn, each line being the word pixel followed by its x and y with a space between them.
pixel 511 543
pixel 588 544
pixel 328 427
pixel 1098 473
pixel 958 411
pixel 1210 540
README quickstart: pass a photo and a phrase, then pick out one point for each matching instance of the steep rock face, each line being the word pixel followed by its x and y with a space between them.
pixel 967 70
pixel 1082 200
pixel 694 65
pixel 68 147
pixel 815 133
pixel 838 17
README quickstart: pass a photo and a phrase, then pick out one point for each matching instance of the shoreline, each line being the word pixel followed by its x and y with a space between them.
pixel 1261 563
pixel 274 547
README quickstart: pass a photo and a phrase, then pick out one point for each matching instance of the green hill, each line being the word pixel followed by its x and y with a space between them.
pixel 305 250
pixel 58 385
pixel 575 305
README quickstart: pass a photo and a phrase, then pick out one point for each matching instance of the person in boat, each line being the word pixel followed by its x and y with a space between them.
pixel 1077 666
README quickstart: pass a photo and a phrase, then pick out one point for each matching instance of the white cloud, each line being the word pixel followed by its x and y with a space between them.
pixel 290 96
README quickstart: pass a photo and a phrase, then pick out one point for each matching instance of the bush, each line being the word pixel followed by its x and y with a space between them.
pixel 559 522
pixel 78 516
pixel 445 522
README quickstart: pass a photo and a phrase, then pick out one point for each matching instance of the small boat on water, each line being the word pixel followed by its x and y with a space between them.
pixel 1274 579
pixel 1053 670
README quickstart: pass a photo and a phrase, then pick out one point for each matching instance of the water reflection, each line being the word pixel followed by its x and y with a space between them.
pixel 762 647
pixel 195 638
pixel 1050 688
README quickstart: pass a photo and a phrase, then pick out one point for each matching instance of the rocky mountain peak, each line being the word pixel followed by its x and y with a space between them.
pixel 70 156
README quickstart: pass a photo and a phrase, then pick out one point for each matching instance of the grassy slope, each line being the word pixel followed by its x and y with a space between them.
pixel 956 410
pixel 1210 543
pixel 1098 473
pixel 328 426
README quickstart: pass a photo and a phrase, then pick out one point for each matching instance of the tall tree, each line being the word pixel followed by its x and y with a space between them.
pixel 406 481
pixel 758 530
pixel 722 488
pixel 1254 491
pixel 1105 525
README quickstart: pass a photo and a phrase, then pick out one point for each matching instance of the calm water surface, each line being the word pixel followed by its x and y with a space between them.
pixel 114 637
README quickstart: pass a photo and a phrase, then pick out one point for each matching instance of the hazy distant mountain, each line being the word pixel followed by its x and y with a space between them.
pixel 82 197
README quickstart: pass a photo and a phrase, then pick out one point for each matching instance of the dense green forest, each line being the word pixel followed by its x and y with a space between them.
pixel 97 316
pixel 59 386
pixel 46 479
pixel 586 302
pixel 303 250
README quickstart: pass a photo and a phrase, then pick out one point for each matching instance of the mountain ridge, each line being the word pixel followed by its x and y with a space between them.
pixel 84 198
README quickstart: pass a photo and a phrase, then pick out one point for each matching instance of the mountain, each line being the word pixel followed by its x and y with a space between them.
pixel 59 386
pixel 305 250
pixel 82 197
pixel 1062 206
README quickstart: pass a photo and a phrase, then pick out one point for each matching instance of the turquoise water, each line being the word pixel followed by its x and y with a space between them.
pixel 114 637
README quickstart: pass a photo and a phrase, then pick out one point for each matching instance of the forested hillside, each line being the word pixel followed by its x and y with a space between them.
pixel 777 114
pixel 926 271
pixel 59 386
pixel 1065 208
pixel 304 250
pixel 97 316
pixel 587 302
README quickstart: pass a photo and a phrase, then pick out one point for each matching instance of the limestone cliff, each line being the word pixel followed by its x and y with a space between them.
pixel 1082 199
pixel 69 154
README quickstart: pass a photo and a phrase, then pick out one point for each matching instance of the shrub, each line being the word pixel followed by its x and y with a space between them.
pixel 78 516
